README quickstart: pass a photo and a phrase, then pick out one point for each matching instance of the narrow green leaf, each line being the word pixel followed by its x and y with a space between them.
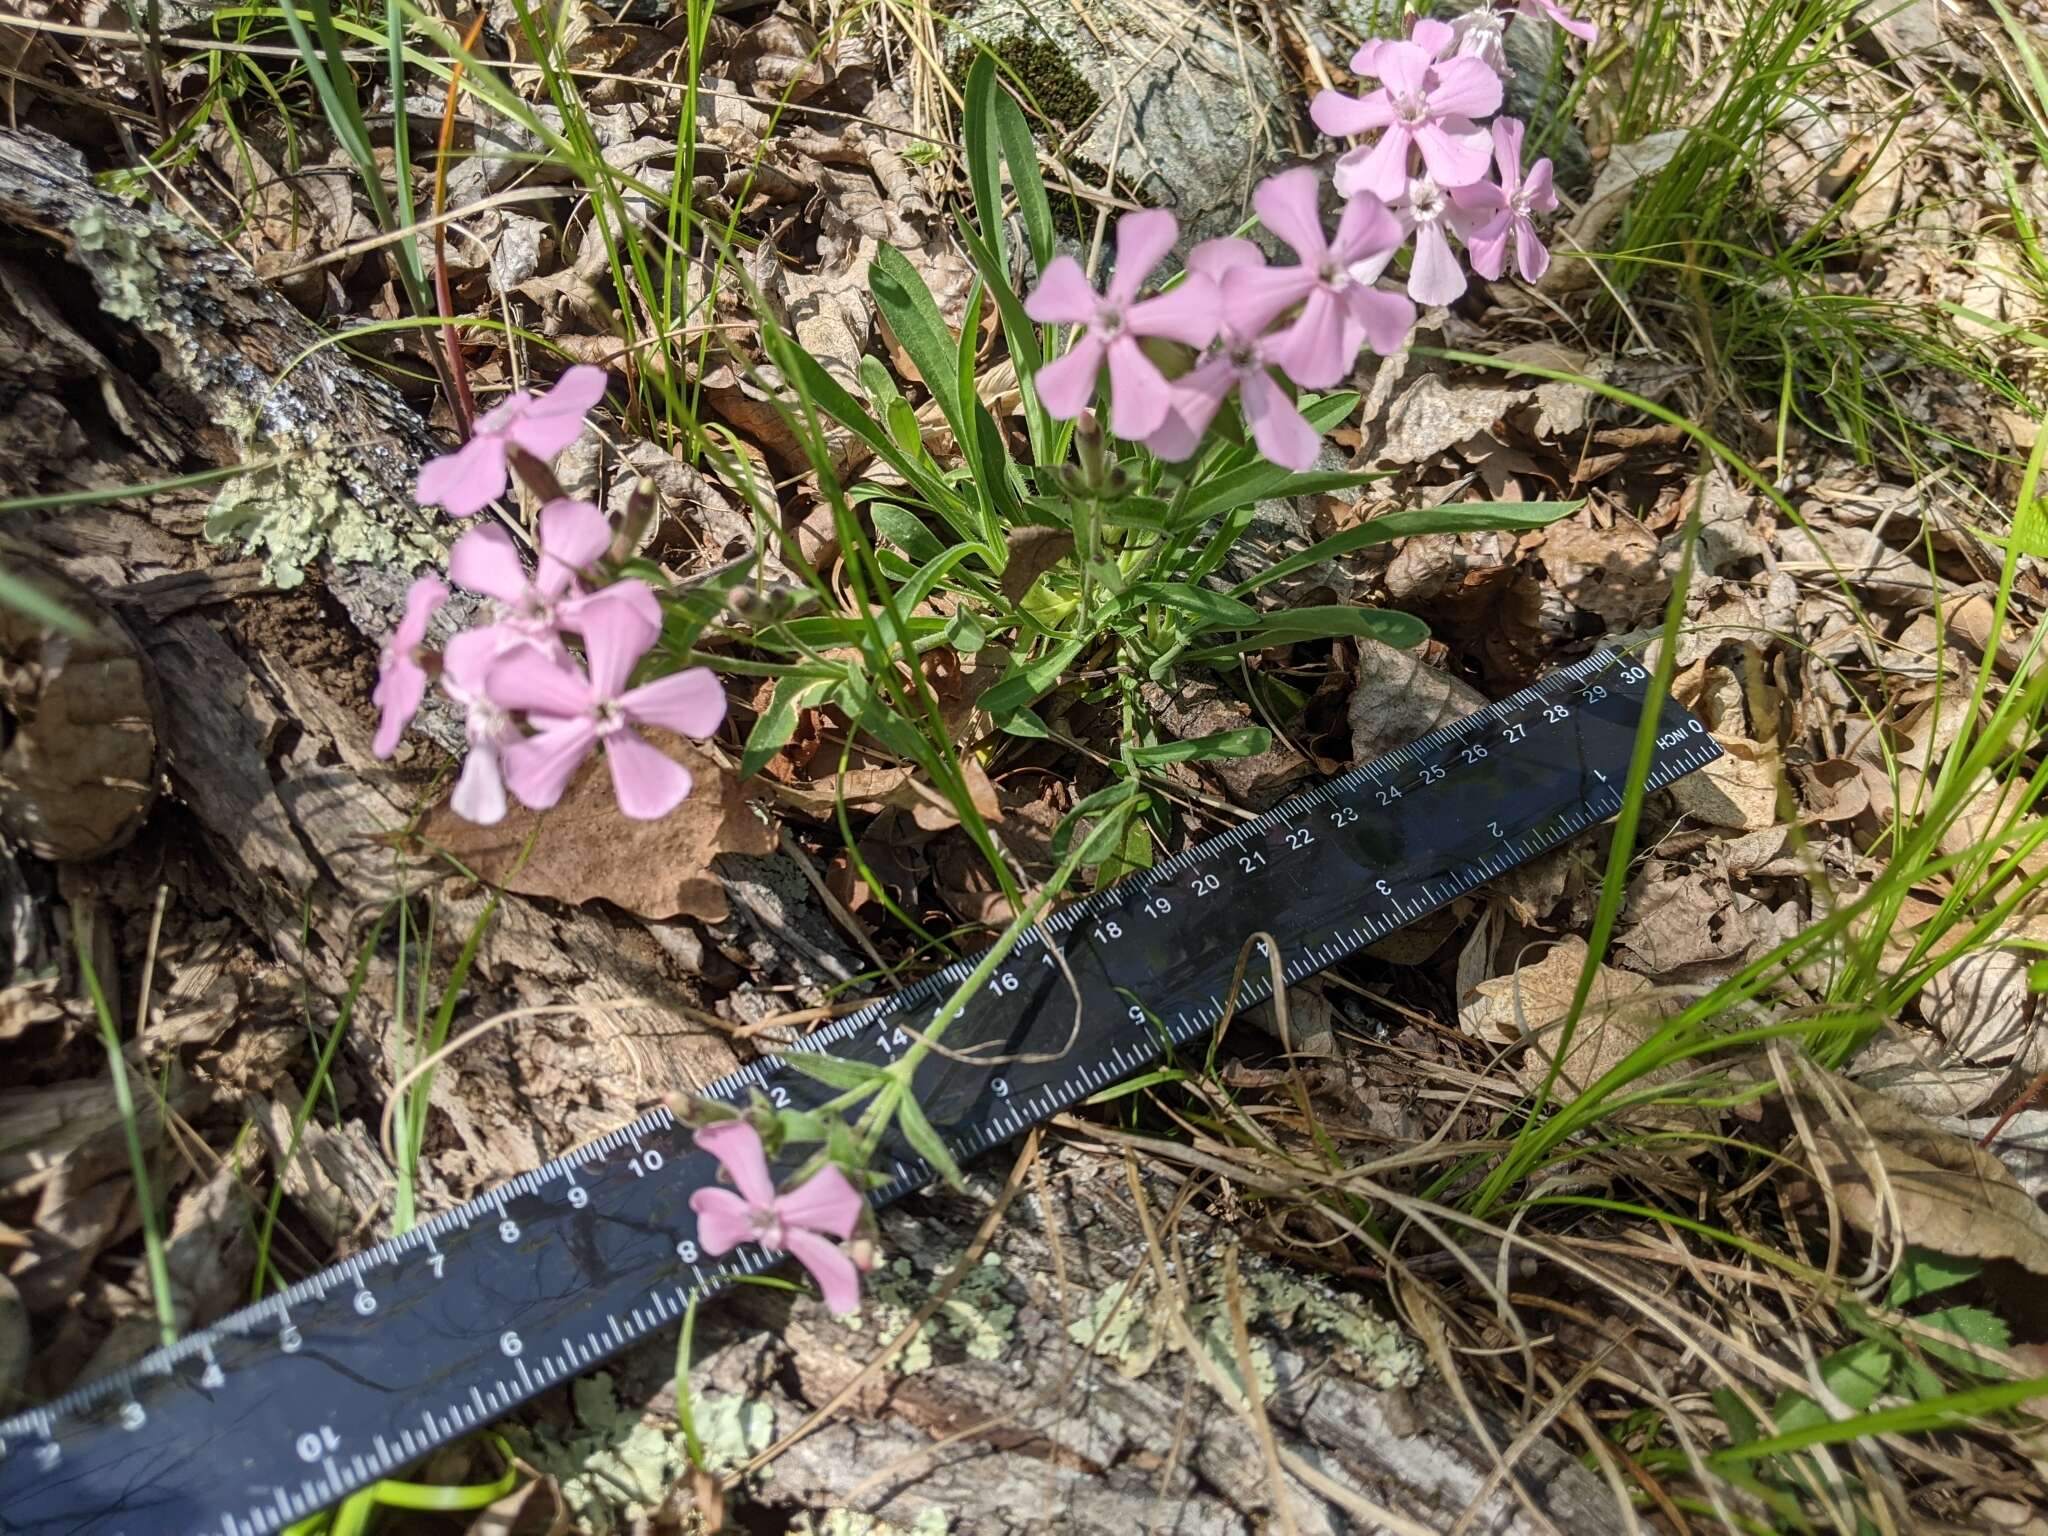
pixel 1027 680
pixel 1022 722
pixel 907 304
pixel 832 1071
pixel 1292 625
pixel 906 530
pixel 25 597
pixel 930 1146
pixel 1261 481
pixel 1467 517
pixel 1246 741
pixel 1215 610
pixel 833 398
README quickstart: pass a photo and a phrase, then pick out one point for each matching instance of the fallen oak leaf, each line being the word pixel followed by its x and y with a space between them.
pixel 585 849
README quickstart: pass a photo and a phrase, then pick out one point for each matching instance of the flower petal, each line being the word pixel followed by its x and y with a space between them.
pixel 571 613
pixel 724 1220
pixel 1196 397
pixel 538 768
pixel 555 420
pixel 616 634
pixel 1319 348
pixel 1062 296
pixel 1403 67
pixel 1142 241
pixel 1368 234
pixel 572 536
pixel 1188 313
pixel 1213 258
pixel 838 1279
pixel 1138 391
pixel 1507 151
pixel 1254 297
pixel 1386 318
pixel 1067 384
pixel 1282 433
pixel 737 1146
pixel 825 1202
pixel 1464 87
pixel 1433 37
pixel 1343 117
pixel 480 793
pixel 1584 30
pixel 1381 170
pixel 1487 248
pixel 1455 152
pixel 468 658
pixel 1538 190
pixel 486 560
pixel 466 481
pixel 1289 204
pixel 527 678
pixel 690 703
pixel 1532 256
pixel 648 782
pixel 401 686
pixel 422 600
pixel 1435 276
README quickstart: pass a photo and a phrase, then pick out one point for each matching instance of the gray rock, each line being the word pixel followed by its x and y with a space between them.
pixel 1190 114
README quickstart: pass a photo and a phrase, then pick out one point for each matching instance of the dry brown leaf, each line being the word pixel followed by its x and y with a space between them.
pixel 585 850
pixel 1982 1008
pixel 1398 697
pixel 1735 790
pixel 1900 1178
pixel 1033 552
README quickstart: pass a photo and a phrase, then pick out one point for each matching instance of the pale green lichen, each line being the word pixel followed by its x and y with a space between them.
pixel 307 494
pixel 618 1465
pixel 125 268
pixel 294 511
pixel 975 1316
pixel 848 1522
pixel 1129 1327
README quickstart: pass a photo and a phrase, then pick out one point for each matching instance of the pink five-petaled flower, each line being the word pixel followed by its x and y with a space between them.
pixel 1425 102
pixel 572 536
pixel 471 478
pixel 802 1221
pixel 574 711
pixel 401 680
pixel 1115 320
pixel 465 668
pixel 1240 360
pixel 1496 212
pixel 1340 307
pixel 1426 211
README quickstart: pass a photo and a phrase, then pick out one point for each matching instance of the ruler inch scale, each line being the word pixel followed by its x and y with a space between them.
pixel 361 1370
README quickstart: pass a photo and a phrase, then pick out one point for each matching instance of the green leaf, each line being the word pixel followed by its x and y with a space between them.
pixel 1741 1423
pixel 1923 1271
pixel 1022 722
pixel 906 530
pixel 1261 481
pixel 1291 625
pixel 1976 1325
pixel 832 1071
pixel 26 597
pixel 930 1146
pixel 920 585
pixel 1025 681
pixel 1246 741
pixel 793 694
pixel 876 380
pixel 965 634
pixel 1856 1375
pixel 1019 332
pixel 1114 796
pixel 907 304
pixel 1215 610
pixel 1468 517
pixel 993 131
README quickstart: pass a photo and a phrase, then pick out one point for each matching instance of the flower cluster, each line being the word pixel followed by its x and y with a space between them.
pixel 1428 171
pixel 534 708
pixel 803 1221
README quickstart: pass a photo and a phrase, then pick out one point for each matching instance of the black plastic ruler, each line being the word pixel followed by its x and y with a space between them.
pixel 361 1370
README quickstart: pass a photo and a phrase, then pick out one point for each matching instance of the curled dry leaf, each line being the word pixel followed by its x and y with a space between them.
pixel 1899 1178
pixel 1398 697
pixel 586 850
pixel 1033 552
pixel 1738 789
pixel 79 775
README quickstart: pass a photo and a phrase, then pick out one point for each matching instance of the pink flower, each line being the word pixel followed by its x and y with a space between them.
pixel 572 536
pixel 1493 213
pixel 1340 307
pixel 471 478
pixel 1115 321
pixel 465 668
pixel 401 680
pixel 801 1221
pixel 574 711
pixel 1241 361
pixel 1425 103
pixel 1550 9
pixel 1435 275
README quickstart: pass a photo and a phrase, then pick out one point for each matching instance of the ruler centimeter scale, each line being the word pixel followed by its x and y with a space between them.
pixel 354 1374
